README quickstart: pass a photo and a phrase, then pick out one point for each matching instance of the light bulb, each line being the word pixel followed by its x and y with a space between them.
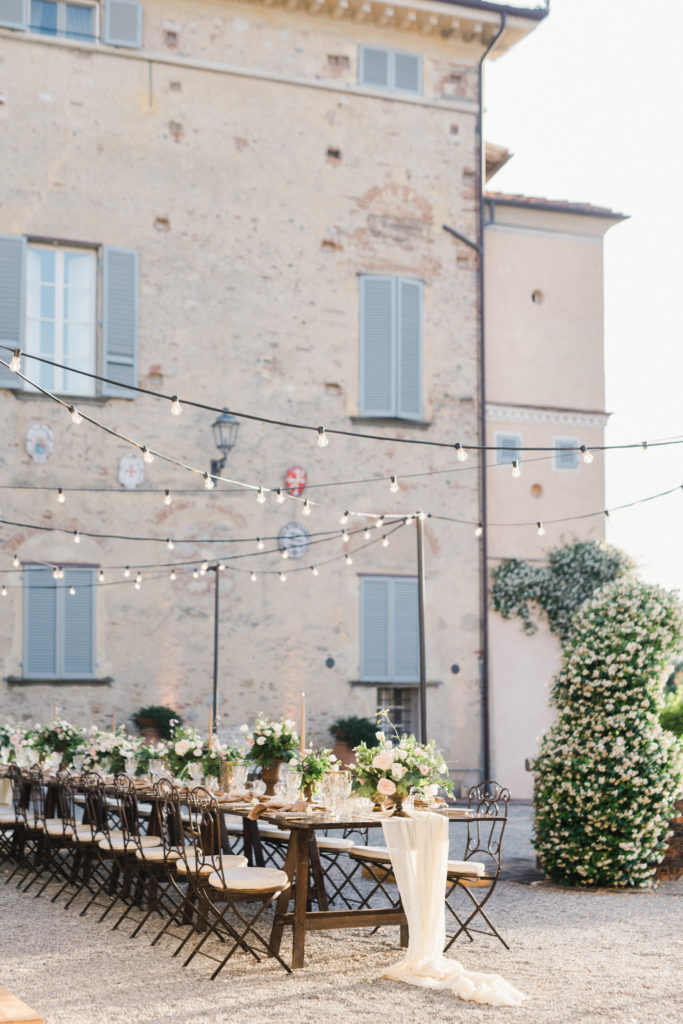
pixel 586 455
pixel 126 572
pixel 221 567
pixel 60 573
pixel 407 521
pixel 15 361
pixel 385 542
pixel 259 544
pixel 393 486
pixel 61 496
pixel 208 482
pixel 138 581
pixel 644 445
pixel 146 454
pixel 15 561
pixel 195 574
pixel 366 533
pixel 285 553
pixel 282 577
pixel 323 439
pixel 516 471
pixel 314 570
pixel 3 591
pixel 100 576
pixel 606 513
pixel 75 415
pixel 279 495
pixel 540 529
pixel 379 522
pixel 173 574
pixel 55 573
pixel 77 537
pixel 345 536
pixel 204 568
pixel 260 496
pixel 168 497
pixel 72 591
pixel 348 559
pixel 253 577
pixel 422 515
pixel 176 407
pixel 461 453
pixel 169 544
pixel 344 519
pixel 479 530
pixel 306 508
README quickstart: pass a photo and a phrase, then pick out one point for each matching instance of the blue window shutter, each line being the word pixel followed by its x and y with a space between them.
pixel 409 360
pixel 510 445
pixel 78 655
pixel 377 346
pixel 40 623
pixel 374 629
pixel 119 320
pixel 407 68
pixel 123 23
pixel 373 66
pixel 12 303
pixel 406 639
pixel 14 13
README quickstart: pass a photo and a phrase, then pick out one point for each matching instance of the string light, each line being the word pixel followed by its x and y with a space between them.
pixel 586 454
pixel 176 407
pixel 195 574
pixel 173 574
pixel 461 453
pixel 279 495
pixel 323 439
pixel 126 572
pixel 100 576
pixel 75 415
pixel 385 541
pixel 15 361
pixel 204 568
pixel 408 521
pixel 169 544
pixel 72 591
pixel 421 515
pixel 146 454
pixel 285 553
pixel 15 561
pixel 61 496
pixel 55 573
pixel 259 544
pixel 314 570
pixel 393 486
pixel 138 581
pixel 348 559
pixel 516 471
pixel 345 536
pixel 253 577
pixel 366 533
pixel 540 529
pixel 260 496
pixel 3 591
pixel 208 482
pixel 479 530
pixel 379 522
pixel 77 537
pixel 606 513
pixel 168 497
pixel 644 445
pixel 282 577
pixel 344 518
pixel 306 508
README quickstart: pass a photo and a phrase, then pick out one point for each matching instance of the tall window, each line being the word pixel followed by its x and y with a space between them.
pixel 61 315
pixel 59 18
pixel 389 629
pixel 508 448
pixel 566 452
pixel 402 704
pixel 390 347
pixel 59 626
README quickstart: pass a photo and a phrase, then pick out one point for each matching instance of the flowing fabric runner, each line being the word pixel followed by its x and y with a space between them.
pixel 418 846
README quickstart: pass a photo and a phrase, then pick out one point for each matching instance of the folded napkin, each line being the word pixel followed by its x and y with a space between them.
pixel 300 807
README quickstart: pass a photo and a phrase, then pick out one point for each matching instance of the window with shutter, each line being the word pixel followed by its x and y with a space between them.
pixel 389 637
pixel 123 23
pixel 407 72
pixel 119 320
pixel 390 347
pixel 13 13
pixel 391 70
pixel 566 452
pixel 59 627
pixel 508 445
pixel 12 263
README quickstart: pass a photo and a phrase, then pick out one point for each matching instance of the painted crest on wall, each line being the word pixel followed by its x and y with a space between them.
pixel 296 479
pixel 39 442
pixel 131 471
pixel 294 539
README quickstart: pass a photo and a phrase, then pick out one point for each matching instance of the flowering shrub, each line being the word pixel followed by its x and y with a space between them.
pixel 396 768
pixel 55 737
pixel 607 774
pixel 573 574
pixel 271 741
pixel 313 765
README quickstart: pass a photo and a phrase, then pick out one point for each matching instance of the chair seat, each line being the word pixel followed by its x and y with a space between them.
pixel 157 855
pixel 273 834
pixel 9 819
pixel 330 844
pixel 466 867
pixel 377 853
pixel 228 860
pixel 250 880
pixel 118 844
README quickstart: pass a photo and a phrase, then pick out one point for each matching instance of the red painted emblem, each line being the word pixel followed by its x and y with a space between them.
pixel 296 479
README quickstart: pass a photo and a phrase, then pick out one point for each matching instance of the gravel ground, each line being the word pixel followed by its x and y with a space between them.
pixel 581 957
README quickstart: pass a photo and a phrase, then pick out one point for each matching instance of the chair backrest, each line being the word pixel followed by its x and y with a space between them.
pixel 66 805
pixel 201 832
pixel 37 796
pixel 21 792
pixel 95 809
pixel 167 816
pixel 490 800
pixel 126 809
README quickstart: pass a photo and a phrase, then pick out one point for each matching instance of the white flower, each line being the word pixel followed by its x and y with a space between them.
pixel 244 729
pixel 379 735
pixel 261 740
pixel 397 770
pixel 182 747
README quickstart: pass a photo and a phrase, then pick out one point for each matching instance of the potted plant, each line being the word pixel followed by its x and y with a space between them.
pixel 155 722
pixel 349 733
pixel 271 743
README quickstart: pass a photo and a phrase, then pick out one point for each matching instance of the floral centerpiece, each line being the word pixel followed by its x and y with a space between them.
pixel 217 755
pixel 11 737
pixel 271 743
pixel 56 737
pixel 185 747
pixel 313 765
pixel 107 750
pixel 391 769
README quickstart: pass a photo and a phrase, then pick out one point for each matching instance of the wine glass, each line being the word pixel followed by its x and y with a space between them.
pixel 195 771
pixel 131 765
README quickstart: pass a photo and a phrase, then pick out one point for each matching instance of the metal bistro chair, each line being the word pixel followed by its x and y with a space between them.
pixel 474 878
pixel 13 824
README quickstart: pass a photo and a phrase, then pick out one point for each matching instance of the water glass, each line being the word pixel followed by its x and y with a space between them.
pixel 156 767
pixel 196 770
pixel 239 778
pixel 77 762
pixel 131 764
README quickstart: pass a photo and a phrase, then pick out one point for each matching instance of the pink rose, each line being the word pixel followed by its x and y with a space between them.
pixel 383 761
pixel 424 770
pixel 386 787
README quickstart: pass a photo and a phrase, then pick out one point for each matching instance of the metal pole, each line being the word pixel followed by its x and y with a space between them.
pixel 421 619
pixel 215 645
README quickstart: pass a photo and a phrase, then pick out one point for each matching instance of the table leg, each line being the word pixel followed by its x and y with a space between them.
pixel 252 843
pixel 317 872
pixel 282 904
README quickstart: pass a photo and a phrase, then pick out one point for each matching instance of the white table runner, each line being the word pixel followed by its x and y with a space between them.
pixel 418 846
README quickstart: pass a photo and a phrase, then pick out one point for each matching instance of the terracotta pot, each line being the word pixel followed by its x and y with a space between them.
pixel 149 729
pixel 343 752
pixel 271 777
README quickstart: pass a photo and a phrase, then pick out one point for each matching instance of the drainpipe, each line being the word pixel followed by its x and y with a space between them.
pixel 483 551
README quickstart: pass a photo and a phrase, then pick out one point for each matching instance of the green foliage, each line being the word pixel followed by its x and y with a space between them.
pixel 354 730
pixel 313 765
pixel 162 716
pixel 573 574
pixel 671 717
pixel 607 773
